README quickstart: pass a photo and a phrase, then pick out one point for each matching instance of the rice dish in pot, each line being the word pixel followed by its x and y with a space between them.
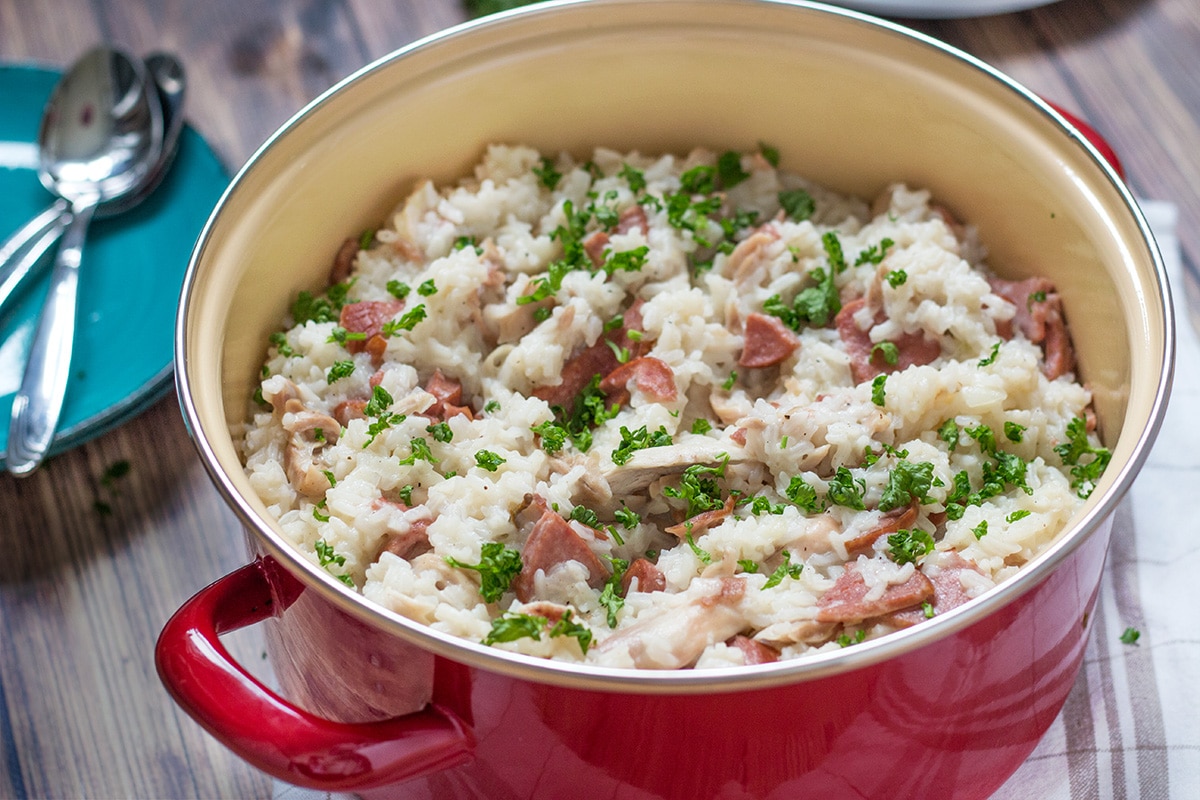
pixel 668 412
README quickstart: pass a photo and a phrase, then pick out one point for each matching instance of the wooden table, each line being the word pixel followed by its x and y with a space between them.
pixel 83 594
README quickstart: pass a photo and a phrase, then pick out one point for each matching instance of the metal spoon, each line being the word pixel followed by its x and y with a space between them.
pixel 23 251
pixel 100 138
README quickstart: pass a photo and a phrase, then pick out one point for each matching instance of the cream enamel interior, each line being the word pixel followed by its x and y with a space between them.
pixel 848 102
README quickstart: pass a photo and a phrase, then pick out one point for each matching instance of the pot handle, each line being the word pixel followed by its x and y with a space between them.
pixel 1092 135
pixel 274 735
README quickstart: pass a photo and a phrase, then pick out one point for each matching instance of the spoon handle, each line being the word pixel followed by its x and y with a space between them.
pixel 38 404
pixel 22 251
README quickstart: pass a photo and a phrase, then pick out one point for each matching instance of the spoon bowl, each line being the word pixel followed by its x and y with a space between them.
pixel 100 138
pixel 22 252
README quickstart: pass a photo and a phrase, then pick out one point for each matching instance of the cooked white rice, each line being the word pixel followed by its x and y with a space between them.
pixel 781 438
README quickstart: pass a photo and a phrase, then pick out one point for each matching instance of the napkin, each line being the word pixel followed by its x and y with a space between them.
pixel 1129 728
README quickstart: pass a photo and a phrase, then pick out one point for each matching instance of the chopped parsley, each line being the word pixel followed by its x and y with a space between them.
pixel 1130 636
pixel 634 177
pixel 814 305
pixel 833 252
pixel 366 239
pixel 730 381
pixel 1013 432
pixel 948 433
pixel 1087 463
pixel 588 411
pixel 980 530
pixel 377 407
pixel 586 516
pixel 1020 513
pixel 640 439
pixel 785 570
pixel 427 288
pixel 339 370
pixel 497 567
pixel 699 488
pixel 488 460
pixel 701 426
pixel 803 495
pixel 629 519
pixel 907 545
pixel 308 307
pixel 340 335
pixel 514 625
pixel 878 390
pixel 927 610
pixel 406 322
pixel 418 451
pixel 889 351
pixel 729 169
pixel 491 406
pixel 875 253
pixel 771 154
pixel 907 482
pixel 326 558
pixel 398 289
pixel 897 278
pixel 990 358
pixel 797 204
pixel 462 243
pixel 747 565
pixel 702 554
pixel 440 431
pixel 553 436
pixel 845 490
pixel 547 174
pixel 845 640
pixel 761 504
pixel 279 339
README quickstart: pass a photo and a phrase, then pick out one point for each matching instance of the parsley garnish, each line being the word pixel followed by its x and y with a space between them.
pixel 547 174
pixel 491 406
pixel 1020 513
pixel 418 450
pixel 844 490
pixel 980 530
pixel 366 239
pixel 990 358
pixel 1130 636
pixel 948 433
pixel 797 204
pixel 440 431
pixel 814 305
pixel 907 482
pixel 909 545
pixel 700 552
pixel 845 641
pixel 326 557
pixel 803 495
pixel 377 407
pixel 488 460
pixel 427 289
pixel 588 412
pixel 897 278
pixel 634 177
pixel 747 565
pixel 279 339
pixel 406 322
pixel 729 169
pixel 730 381
pixel 497 567
pixel 699 488
pixel 640 439
pixel 833 252
pixel 785 570
pixel 761 504
pixel 628 518
pixel 340 336
pixel 1084 474
pixel 874 254
pixel 610 597
pixel 878 393
pixel 701 426
pixel 339 370
pixel 1013 432
pixel 889 351
pixel 398 290
pixel 553 435
pixel 514 625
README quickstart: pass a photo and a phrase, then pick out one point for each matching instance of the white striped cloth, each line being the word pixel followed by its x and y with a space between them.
pixel 1130 729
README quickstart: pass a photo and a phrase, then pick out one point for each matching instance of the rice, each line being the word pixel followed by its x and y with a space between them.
pixel 663 412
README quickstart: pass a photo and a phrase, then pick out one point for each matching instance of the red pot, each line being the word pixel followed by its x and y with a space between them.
pixel 377 703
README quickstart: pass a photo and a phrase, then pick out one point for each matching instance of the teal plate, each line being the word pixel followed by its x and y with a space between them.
pixel 130 278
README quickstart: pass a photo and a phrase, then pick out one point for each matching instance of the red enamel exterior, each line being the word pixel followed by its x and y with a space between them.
pixel 951 719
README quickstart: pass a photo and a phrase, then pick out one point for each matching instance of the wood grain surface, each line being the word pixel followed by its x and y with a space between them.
pixel 84 591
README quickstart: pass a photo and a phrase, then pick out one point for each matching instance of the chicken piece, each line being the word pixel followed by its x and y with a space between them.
pixel 674 636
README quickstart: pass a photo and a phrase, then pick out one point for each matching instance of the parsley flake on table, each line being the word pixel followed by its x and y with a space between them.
pixel 497 567
pixel 1130 635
